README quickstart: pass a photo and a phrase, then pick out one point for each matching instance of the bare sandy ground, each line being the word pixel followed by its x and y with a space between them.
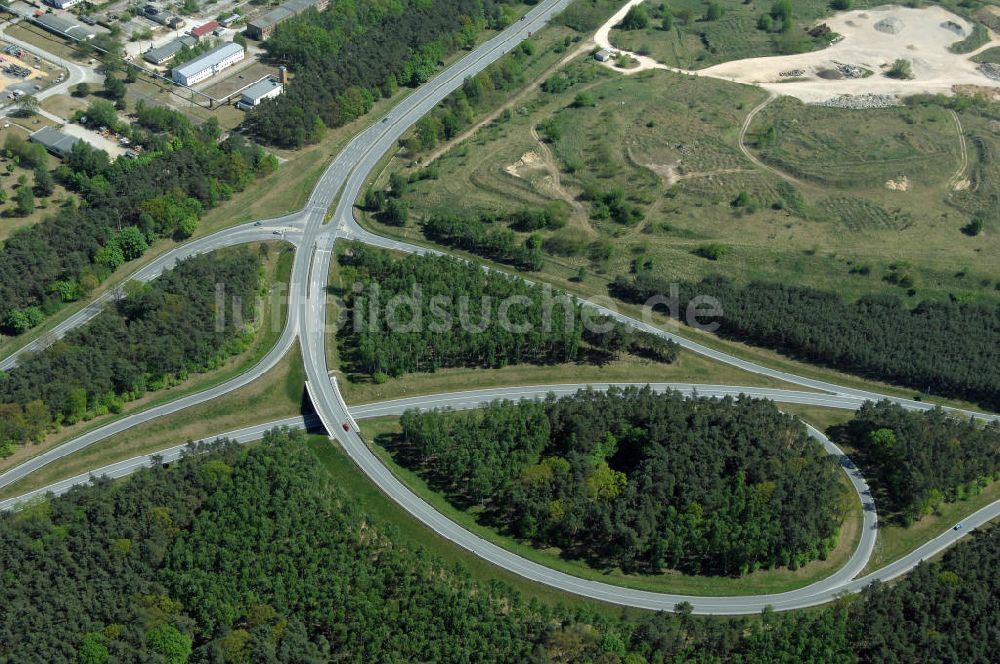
pixel 602 38
pixel 921 36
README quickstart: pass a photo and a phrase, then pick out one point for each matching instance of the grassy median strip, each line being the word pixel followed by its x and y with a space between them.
pixel 278 267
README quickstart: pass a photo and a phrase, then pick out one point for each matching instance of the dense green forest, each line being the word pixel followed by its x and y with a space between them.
pixel 354 52
pixel 155 336
pixel 915 461
pixel 942 348
pixel 255 555
pixel 124 206
pixel 490 240
pixel 638 479
pixel 433 328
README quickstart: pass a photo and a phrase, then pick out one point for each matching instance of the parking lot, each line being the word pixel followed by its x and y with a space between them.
pixel 23 72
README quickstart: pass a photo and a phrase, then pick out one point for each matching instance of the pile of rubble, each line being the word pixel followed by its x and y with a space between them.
pixel 792 72
pixel 990 70
pixel 861 101
pixel 890 25
pixel 850 71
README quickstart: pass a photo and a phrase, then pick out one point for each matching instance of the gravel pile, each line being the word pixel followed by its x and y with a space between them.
pixel 990 70
pixel 861 101
pixel 890 25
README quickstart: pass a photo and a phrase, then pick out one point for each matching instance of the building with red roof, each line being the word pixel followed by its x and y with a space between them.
pixel 206 29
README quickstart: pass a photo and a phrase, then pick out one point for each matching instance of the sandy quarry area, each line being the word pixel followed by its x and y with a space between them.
pixel 872 40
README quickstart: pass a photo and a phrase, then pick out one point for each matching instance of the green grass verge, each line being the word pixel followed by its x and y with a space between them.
pixel 895 541
pixel 275 395
pixel 411 533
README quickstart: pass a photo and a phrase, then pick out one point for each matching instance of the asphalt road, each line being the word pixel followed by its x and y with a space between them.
pixel 477 398
pixel 843 579
pixel 333 413
pixel 288 228
pixel 75 73
pixel 345 177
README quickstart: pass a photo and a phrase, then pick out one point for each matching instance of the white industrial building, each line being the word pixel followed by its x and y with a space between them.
pixel 258 92
pixel 62 4
pixel 209 64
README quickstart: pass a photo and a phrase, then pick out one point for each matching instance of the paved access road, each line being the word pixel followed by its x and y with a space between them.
pixel 75 73
pixel 307 301
pixel 843 579
pixel 477 398
pixel 342 182
pixel 283 228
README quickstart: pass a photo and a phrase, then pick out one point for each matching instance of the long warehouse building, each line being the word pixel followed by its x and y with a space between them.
pixel 64 28
pixel 261 27
pixel 166 52
pixel 209 64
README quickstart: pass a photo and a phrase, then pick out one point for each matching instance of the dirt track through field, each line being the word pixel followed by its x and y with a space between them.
pixel 581 48
pixel 555 184
pixel 963 164
pixel 750 155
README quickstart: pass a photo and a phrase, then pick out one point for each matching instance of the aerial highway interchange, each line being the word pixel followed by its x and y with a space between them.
pixel 315 230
